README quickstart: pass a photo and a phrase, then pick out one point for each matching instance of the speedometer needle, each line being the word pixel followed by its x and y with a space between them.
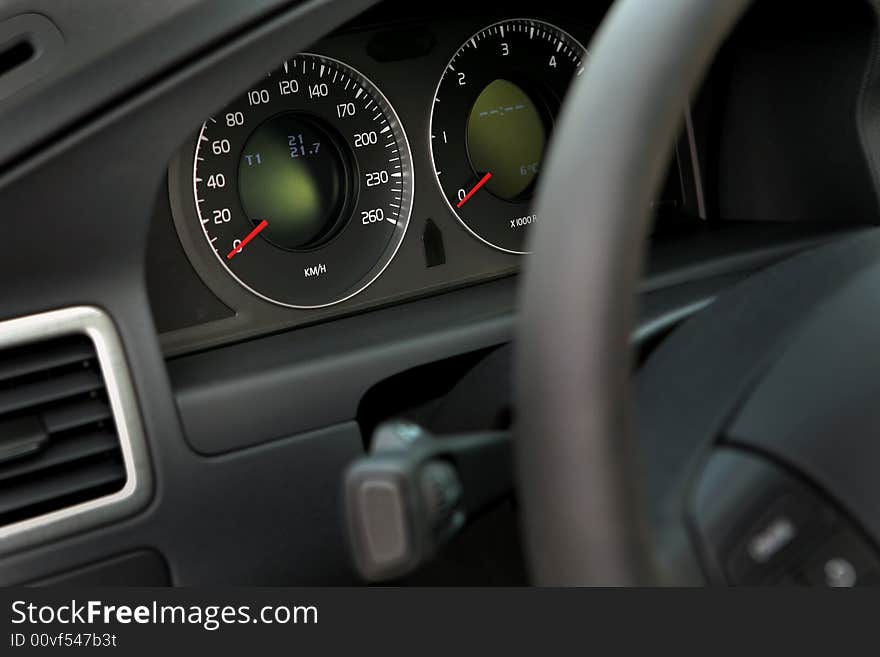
pixel 251 235
pixel 475 189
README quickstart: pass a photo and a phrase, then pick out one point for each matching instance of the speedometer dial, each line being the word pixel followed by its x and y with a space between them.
pixel 304 185
pixel 491 120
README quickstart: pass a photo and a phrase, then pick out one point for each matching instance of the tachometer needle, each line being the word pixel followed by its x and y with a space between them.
pixel 251 235
pixel 475 189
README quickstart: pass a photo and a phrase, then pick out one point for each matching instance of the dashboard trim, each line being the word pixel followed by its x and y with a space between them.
pixel 97 325
pixel 400 231
pixel 430 132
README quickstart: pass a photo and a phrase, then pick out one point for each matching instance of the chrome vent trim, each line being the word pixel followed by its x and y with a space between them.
pixel 137 489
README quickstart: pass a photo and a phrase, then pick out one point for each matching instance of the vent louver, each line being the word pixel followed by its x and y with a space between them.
pixel 72 451
pixel 58 440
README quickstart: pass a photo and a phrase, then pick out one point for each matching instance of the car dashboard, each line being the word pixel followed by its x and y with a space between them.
pixel 408 58
pixel 394 228
pixel 291 245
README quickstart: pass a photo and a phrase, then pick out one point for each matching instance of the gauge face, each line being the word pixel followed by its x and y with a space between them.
pixel 304 185
pixel 491 121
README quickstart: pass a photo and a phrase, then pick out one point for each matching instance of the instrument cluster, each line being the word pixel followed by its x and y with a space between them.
pixel 385 163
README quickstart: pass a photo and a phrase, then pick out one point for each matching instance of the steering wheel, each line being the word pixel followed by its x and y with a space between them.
pixel 755 441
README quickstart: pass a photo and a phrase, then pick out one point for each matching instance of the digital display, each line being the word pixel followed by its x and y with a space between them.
pixel 506 136
pixel 291 175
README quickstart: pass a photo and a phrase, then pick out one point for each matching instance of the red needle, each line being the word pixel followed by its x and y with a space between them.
pixel 475 189
pixel 251 235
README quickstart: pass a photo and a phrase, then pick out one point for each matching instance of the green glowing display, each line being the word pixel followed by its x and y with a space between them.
pixel 291 175
pixel 506 136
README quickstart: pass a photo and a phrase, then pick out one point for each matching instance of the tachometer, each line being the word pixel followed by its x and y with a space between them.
pixel 304 185
pixel 491 121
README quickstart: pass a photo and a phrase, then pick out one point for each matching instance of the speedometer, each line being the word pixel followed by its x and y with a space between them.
pixel 304 185
pixel 491 120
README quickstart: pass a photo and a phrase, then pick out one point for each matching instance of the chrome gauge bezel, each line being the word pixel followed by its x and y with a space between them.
pixel 397 234
pixel 434 107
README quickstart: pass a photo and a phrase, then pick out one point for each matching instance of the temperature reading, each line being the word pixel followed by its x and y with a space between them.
pixel 298 147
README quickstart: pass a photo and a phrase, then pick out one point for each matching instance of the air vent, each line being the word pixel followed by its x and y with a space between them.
pixel 58 442
pixel 71 445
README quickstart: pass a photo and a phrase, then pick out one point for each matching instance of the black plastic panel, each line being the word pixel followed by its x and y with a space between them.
pixel 30 47
pixel 111 50
pixel 756 524
pixel 816 408
pixel 693 383
pixel 268 516
pixel 316 376
pixel 788 89
pixel 141 568
pixel 256 391
pixel 178 297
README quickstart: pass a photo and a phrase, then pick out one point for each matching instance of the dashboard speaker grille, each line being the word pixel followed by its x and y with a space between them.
pixel 58 440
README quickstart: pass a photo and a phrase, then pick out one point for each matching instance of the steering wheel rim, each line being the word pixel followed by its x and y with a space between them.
pixel 584 521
